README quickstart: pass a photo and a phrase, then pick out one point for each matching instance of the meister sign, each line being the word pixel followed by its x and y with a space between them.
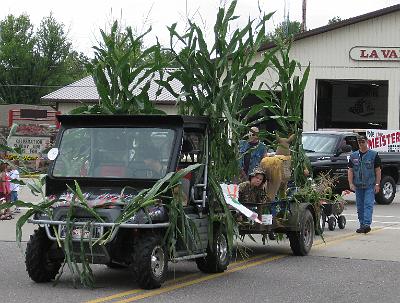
pixel 372 53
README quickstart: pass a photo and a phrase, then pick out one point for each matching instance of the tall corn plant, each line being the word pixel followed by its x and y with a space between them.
pixel 216 79
pixel 287 108
pixel 122 73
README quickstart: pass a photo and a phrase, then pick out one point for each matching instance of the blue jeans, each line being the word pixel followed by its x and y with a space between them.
pixel 365 198
pixel 14 196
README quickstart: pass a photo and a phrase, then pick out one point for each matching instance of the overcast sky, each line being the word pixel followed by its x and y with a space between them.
pixel 83 18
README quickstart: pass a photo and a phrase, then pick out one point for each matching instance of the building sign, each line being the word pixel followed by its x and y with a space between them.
pixel 371 53
pixel 384 140
pixel 31 146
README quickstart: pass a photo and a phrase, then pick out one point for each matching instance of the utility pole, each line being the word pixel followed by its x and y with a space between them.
pixel 304 10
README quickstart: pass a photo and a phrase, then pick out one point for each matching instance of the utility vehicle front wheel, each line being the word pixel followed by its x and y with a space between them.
pixel 217 259
pixel 301 241
pixel 150 262
pixel 39 266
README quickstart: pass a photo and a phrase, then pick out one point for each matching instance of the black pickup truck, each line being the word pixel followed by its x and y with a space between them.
pixel 328 151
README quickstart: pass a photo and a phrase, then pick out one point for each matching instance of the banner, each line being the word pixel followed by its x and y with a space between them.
pixel 384 140
pixel 231 195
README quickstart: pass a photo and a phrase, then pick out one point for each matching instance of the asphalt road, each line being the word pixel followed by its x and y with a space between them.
pixel 347 267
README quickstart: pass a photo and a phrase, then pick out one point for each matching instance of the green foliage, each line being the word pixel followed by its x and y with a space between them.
pixel 216 79
pixel 284 31
pixel 123 72
pixel 32 63
pixel 287 108
pixel 334 20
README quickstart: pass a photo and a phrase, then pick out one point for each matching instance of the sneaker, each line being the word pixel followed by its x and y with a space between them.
pixel 360 230
pixel 367 229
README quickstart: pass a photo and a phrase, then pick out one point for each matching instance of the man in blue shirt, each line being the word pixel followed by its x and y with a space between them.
pixel 251 153
pixel 364 176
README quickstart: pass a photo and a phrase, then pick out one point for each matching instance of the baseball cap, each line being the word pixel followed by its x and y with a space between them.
pixel 253 131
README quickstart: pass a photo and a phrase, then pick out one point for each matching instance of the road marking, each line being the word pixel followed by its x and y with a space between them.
pixel 175 281
pixel 375 216
pixel 234 267
pixel 381 222
pixel 199 280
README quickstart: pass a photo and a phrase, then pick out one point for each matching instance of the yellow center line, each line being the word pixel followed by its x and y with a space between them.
pixel 175 281
pixel 199 280
pixel 233 267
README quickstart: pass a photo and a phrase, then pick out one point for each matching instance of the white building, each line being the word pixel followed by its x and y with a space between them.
pixel 354 80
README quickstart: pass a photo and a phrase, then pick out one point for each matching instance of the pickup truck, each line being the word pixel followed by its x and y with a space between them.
pixel 328 151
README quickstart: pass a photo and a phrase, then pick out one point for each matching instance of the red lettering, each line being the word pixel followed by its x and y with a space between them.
pixel 383 141
pixel 371 143
pixel 393 137
pixel 377 142
pixel 363 54
pixel 393 54
pixel 385 52
pixel 397 136
pixel 373 54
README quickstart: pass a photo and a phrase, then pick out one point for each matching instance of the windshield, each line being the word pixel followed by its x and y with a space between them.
pixel 142 153
pixel 319 143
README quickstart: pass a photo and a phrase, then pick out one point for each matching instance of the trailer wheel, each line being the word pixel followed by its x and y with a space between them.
pixel 217 259
pixel 387 191
pixel 301 241
pixel 331 223
pixel 342 222
pixel 150 262
pixel 39 266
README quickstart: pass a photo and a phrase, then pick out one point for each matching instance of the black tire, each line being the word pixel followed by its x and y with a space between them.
pixel 342 222
pixel 387 191
pixel 150 262
pixel 38 265
pixel 301 241
pixel 331 223
pixel 217 259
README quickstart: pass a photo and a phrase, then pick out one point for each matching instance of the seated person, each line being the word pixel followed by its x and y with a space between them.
pixel 252 191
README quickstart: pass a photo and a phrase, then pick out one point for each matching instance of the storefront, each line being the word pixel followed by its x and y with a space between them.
pixel 354 81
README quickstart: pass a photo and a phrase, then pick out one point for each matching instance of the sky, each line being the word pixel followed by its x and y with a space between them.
pixel 83 19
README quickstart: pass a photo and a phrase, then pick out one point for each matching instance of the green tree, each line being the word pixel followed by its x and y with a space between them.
pixel 16 58
pixel 334 20
pixel 285 30
pixel 34 63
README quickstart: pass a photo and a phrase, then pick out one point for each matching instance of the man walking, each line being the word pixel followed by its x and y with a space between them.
pixel 364 176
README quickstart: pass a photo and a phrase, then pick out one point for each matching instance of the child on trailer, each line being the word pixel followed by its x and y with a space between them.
pixel 252 193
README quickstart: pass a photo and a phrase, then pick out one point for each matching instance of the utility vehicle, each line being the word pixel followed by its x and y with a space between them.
pixel 113 158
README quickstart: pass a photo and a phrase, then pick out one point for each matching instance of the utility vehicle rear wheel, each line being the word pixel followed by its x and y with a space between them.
pixel 217 258
pixel 301 241
pixel 150 262
pixel 39 266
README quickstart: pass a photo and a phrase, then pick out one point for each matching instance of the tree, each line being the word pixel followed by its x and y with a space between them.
pixel 16 57
pixel 334 20
pixel 285 30
pixel 33 63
